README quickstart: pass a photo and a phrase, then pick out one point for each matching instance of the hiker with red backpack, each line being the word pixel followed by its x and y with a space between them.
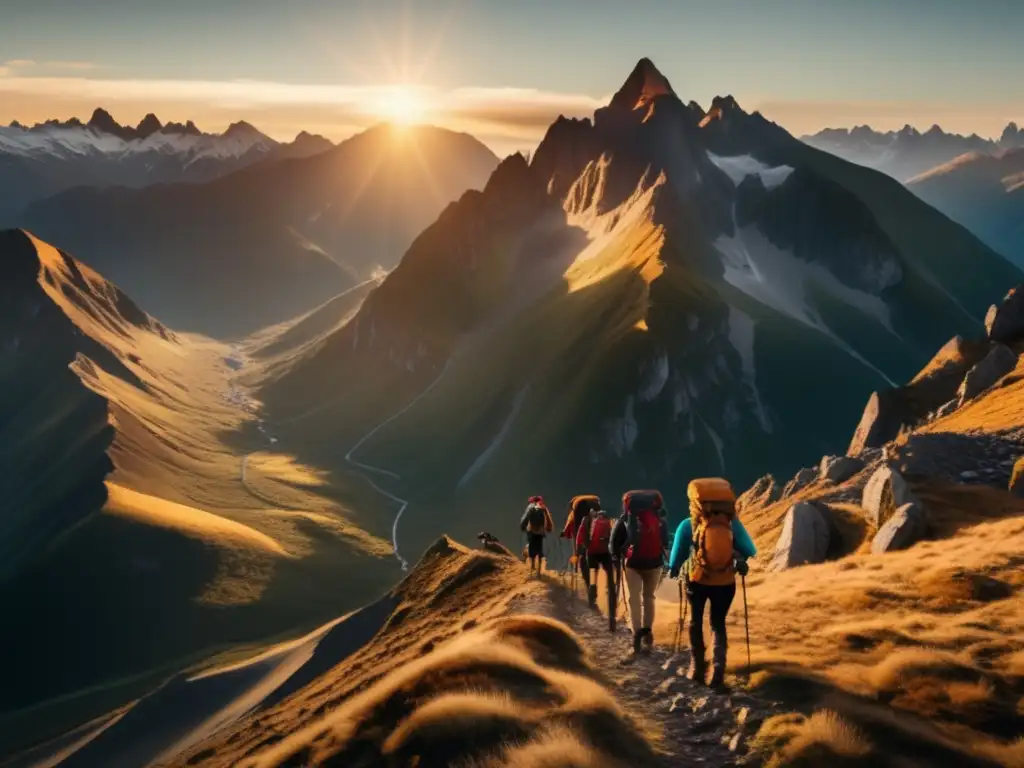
pixel 712 546
pixel 536 523
pixel 638 544
pixel 579 509
pixel 592 541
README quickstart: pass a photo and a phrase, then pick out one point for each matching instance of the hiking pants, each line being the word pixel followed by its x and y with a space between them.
pixel 721 598
pixel 536 544
pixel 593 562
pixel 640 588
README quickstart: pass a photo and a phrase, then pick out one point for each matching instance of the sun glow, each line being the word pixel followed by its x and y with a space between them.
pixel 401 106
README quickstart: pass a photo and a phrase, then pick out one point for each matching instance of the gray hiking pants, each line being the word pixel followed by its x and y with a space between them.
pixel 640 589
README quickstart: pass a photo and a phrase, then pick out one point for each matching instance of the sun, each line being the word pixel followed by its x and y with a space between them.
pixel 401 105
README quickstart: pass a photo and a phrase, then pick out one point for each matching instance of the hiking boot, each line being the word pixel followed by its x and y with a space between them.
pixel 647 638
pixel 717 678
pixel 592 595
pixel 638 638
pixel 698 668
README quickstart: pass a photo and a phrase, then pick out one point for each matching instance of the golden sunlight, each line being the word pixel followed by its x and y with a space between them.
pixel 401 106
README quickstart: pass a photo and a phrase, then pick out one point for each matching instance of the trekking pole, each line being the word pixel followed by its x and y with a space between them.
pixel 746 622
pixel 682 620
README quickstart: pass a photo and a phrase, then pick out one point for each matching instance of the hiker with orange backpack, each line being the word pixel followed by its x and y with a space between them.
pixel 713 546
pixel 592 540
pixel 536 523
pixel 579 508
pixel 638 544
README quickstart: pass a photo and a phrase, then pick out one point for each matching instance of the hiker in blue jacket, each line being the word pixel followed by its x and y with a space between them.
pixel 712 546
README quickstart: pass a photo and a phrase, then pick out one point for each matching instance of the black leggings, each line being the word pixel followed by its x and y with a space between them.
pixel 600 560
pixel 721 598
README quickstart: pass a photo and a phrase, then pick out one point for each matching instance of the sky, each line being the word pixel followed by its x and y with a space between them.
pixel 503 70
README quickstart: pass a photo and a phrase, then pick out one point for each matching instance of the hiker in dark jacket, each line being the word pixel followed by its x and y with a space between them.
pixel 639 542
pixel 536 523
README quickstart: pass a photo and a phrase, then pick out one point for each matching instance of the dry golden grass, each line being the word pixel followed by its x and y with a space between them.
pixel 449 680
pixel 921 647
pixel 999 409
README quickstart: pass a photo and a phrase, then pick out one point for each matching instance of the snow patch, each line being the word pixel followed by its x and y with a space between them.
pixel 623 432
pixel 738 167
pixel 778 279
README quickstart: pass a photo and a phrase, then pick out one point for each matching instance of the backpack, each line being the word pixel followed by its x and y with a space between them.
pixel 712 510
pixel 535 519
pixel 579 508
pixel 600 535
pixel 643 524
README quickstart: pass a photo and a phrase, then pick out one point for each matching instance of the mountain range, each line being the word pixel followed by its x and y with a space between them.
pixel 47 158
pixel 985 193
pixel 907 153
pixel 270 241
pixel 659 293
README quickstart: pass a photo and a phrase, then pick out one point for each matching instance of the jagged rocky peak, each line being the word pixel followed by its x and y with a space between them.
pixel 242 129
pixel 644 84
pixel 187 129
pixel 103 122
pixel 149 125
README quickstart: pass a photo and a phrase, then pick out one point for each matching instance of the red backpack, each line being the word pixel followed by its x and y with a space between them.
pixel 644 526
pixel 600 535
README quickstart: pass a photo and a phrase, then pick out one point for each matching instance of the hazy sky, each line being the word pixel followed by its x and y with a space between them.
pixel 504 69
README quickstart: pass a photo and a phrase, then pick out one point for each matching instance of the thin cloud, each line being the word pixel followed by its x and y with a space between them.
pixel 78 66
pixel 19 63
pixel 518 115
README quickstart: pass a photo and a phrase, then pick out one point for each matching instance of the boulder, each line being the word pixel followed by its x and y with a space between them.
pixel 763 492
pixel 803 478
pixel 879 423
pixel 838 469
pixel 806 534
pixel 997 363
pixel 1017 478
pixel 1005 322
pixel 906 527
pixel 885 492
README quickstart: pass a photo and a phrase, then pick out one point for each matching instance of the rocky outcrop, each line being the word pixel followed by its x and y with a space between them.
pixel 1017 478
pixel 802 479
pixel 997 363
pixel 805 538
pixel 838 469
pixel 881 421
pixel 1005 322
pixel 763 492
pixel 885 492
pixel 905 528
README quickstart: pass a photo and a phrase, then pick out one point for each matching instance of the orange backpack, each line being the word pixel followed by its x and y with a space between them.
pixel 712 510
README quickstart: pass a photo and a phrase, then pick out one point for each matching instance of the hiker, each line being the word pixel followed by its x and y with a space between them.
pixel 712 546
pixel 536 524
pixel 579 508
pixel 638 543
pixel 592 541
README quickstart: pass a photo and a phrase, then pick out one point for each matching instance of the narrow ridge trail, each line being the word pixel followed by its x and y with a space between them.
pixel 698 726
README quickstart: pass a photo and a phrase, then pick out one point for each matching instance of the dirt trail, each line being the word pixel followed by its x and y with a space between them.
pixel 698 726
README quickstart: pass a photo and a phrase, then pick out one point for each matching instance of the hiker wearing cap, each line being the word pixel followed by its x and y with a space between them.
pixel 638 544
pixel 711 546
pixel 536 523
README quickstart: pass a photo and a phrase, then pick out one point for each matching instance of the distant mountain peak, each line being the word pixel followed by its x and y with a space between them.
pixel 149 125
pixel 644 84
pixel 188 129
pixel 242 129
pixel 102 120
